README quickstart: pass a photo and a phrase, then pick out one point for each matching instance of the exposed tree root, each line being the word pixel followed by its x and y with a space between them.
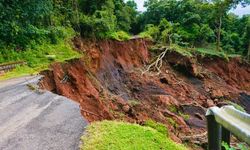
pixel 157 64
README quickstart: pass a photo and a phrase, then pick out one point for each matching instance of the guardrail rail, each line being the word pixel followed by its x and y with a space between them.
pixel 222 122
pixel 12 65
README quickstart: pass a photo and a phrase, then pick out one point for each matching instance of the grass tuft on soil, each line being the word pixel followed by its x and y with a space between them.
pixel 113 135
pixel 157 126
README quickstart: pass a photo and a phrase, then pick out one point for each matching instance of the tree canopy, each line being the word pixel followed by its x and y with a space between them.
pixel 200 22
pixel 188 23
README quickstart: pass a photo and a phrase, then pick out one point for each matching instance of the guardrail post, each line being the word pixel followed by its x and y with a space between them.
pixel 214 133
pixel 225 136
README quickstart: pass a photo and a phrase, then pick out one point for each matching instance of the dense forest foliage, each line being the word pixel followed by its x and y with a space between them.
pixel 188 23
pixel 196 23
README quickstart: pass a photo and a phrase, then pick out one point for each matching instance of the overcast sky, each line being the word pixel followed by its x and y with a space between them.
pixel 238 11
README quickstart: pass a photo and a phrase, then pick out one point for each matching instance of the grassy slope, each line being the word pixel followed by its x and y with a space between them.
pixel 111 135
pixel 205 52
pixel 37 58
pixel 208 51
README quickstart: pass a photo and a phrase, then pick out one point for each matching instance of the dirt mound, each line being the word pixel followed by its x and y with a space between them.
pixel 99 78
pixel 108 83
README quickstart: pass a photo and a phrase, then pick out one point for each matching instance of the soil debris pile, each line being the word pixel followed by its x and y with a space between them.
pixel 108 83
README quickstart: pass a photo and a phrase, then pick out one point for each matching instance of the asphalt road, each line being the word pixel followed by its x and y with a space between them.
pixel 32 120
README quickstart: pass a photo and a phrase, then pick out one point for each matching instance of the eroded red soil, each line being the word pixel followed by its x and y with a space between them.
pixel 108 83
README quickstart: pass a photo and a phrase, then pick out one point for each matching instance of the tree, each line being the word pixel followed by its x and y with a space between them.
pixel 247 37
pixel 221 7
pixel 102 18
pixel 190 23
pixel 23 21
pixel 166 29
pixel 97 18
pixel 126 14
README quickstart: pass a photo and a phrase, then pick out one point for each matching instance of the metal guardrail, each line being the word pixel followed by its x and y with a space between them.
pixel 222 122
pixel 9 66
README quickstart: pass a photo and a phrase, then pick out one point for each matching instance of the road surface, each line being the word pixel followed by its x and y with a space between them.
pixel 35 120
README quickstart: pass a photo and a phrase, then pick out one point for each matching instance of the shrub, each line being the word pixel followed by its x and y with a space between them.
pixel 119 36
pixel 151 32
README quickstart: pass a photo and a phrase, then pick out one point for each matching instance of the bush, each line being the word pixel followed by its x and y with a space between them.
pixel 145 35
pixel 151 32
pixel 101 25
pixel 57 33
pixel 120 36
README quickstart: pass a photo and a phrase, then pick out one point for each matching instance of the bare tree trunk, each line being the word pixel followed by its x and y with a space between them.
pixel 76 8
pixel 219 34
pixel 248 54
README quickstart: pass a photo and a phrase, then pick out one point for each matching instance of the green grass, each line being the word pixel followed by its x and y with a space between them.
pixel 184 116
pixel 38 58
pixel 20 71
pixel 157 126
pixel 239 146
pixel 181 50
pixel 172 122
pixel 210 51
pixel 112 135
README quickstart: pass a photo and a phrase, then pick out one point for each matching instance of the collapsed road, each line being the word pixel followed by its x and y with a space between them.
pixel 32 119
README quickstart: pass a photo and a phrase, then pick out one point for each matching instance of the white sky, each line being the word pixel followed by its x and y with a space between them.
pixel 241 11
pixel 238 11
pixel 140 5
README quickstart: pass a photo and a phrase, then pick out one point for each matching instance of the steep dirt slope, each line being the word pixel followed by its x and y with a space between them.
pixel 108 83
